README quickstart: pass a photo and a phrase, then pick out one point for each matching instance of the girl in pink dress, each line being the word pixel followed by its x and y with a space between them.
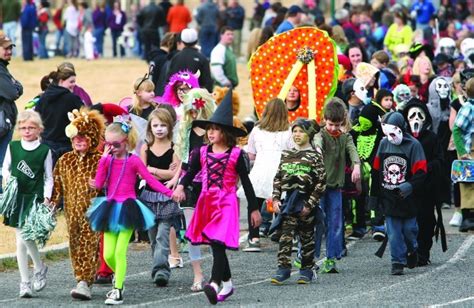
pixel 216 218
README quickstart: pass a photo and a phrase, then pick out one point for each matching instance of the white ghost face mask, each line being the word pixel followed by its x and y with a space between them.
pixel 404 95
pixel 416 119
pixel 393 133
pixel 360 90
pixel 442 87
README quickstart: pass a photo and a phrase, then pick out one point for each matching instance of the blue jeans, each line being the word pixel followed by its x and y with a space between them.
pixel 27 44
pixel 10 30
pixel 99 40
pixel 402 234
pixel 43 50
pixel 160 246
pixel 320 229
pixel 331 204
pixel 59 35
pixel 208 39
pixel 4 141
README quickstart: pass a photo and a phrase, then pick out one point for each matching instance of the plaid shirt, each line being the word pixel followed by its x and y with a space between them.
pixel 465 121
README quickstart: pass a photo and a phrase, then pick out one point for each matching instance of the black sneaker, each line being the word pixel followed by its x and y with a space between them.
pixel 412 259
pixel 211 294
pixel 354 236
pixel 466 225
pixel 281 275
pixel 379 236
pixel 160 280
pixel 114 297
pixel 397 269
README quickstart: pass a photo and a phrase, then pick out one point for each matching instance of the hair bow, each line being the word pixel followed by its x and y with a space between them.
pixel 124 121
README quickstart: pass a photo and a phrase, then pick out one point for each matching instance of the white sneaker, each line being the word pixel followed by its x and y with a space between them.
pixel 114 297
pixel 81 291
pixel 25 290
pixel 456 220
pixel 39 281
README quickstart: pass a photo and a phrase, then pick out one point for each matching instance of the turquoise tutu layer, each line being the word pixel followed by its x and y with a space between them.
pixel 111 216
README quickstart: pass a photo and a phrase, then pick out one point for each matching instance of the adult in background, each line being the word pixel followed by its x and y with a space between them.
pixel 292 20
pixel 178 17
pixel 235 20
pixel 189 58
pixel 99 20
pixel 161 58
pixel 54 105
pixel 10 91
pixel 116 22
pixel 165 6
pixel 44 15
pixel 11 11
pixel 149 19
pixel 223 63
pixel 398 33
pixel 206 17
pixel 29 21
pixel 71 33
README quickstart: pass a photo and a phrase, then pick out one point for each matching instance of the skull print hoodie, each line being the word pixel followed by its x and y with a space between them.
pixel 398 171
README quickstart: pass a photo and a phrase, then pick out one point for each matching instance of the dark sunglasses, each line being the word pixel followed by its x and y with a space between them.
pixel 116 144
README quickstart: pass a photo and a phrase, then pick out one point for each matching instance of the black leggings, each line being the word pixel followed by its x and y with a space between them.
pixel 220 267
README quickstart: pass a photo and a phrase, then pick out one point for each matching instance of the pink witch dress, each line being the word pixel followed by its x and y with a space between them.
pixel 216 216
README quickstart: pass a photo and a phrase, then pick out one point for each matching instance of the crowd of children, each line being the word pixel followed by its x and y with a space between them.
pixel 379 158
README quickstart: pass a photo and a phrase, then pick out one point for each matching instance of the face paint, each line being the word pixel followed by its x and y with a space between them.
pixel 416 119
pixel 442 87
pixel 360 91
pixel 300 137
pixel 159 129
pixel 393 133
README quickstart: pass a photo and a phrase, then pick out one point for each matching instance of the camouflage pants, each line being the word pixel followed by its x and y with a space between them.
pixel 304 228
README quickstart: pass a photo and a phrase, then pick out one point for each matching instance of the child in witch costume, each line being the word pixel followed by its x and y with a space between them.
pixel 120 212
pixel 398 173
pixel 302 176
pixel 71 181
pixel 216 218
pixel 419 119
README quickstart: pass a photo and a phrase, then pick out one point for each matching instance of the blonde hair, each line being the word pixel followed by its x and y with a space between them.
pixel 339 36
pixel 275 116
pixel 132 135
pixel 30 115
pixel 164 116
pixel 185 125
pixel 141 84
pixel 416 66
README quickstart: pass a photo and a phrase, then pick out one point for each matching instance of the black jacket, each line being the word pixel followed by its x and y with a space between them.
pixel 10 90
pixel 191 59
pixel 53 106
pixel 150 18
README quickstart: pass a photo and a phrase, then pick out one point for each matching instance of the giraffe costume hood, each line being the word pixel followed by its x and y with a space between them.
pixel 87 123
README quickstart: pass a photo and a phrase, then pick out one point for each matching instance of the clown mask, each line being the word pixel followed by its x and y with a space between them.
pixel 393 133
pixel 80 144
pixel 416 119
pixel 442 87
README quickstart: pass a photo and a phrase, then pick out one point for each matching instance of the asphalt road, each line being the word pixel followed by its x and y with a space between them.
pixel 364 280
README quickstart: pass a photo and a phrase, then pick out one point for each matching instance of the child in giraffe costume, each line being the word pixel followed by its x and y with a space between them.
pixel 71 181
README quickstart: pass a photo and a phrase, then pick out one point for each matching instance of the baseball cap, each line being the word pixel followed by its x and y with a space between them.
pixel 294 9
pixel 5 41
pixel 189 36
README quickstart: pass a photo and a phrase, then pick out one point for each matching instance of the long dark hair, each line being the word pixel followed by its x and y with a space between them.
pixel 230 140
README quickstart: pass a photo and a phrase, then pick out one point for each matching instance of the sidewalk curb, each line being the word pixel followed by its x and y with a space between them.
pixel 49 249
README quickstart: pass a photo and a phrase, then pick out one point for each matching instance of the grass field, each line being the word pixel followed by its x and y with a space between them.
pixel 106 80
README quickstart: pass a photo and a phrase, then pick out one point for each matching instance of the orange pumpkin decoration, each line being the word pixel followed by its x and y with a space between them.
pixel 305 57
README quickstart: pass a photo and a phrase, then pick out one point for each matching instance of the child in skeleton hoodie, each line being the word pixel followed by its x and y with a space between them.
pixel 399 171
pixel 419 121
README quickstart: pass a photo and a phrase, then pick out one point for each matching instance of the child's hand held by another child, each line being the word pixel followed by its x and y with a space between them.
pixel 178 194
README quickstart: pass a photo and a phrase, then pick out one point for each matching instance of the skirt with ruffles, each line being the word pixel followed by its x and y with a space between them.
pixel 112 216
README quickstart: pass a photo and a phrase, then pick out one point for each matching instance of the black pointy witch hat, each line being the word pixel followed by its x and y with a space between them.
pixel 223 116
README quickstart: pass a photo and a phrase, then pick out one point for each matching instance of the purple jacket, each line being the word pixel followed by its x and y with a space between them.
pixel 85 98
pixel 99 19
pixel 112 22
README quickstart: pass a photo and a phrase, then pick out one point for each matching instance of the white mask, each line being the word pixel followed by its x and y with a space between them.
pixel 393 133
pixel 360 91
pixel 416 119
pixel 442 87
